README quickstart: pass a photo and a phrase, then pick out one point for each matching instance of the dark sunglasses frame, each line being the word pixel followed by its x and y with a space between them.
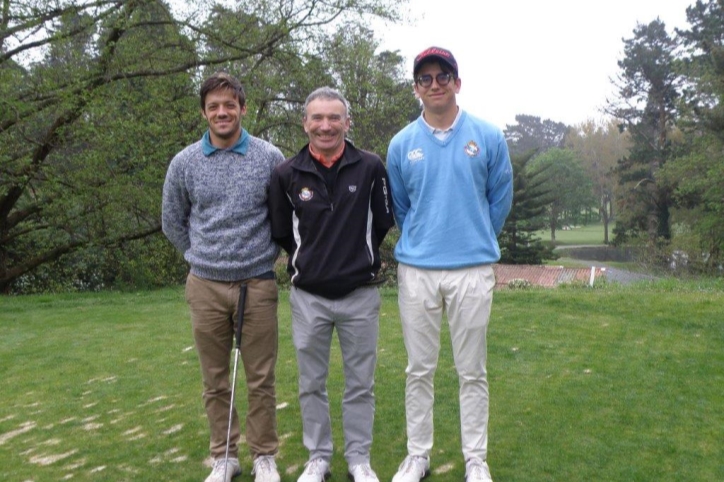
pixel 442 79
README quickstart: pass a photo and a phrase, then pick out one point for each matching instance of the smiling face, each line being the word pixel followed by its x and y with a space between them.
pixel 437 99
pixel 223 113
pixel 326 123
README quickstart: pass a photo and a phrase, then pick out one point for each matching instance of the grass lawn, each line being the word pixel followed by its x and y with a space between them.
pixel 609 384
pixel 590 234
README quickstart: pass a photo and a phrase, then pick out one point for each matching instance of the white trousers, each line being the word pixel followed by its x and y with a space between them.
pixel 466 296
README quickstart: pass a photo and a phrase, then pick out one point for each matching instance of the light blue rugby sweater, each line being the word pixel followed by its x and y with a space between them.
pixel 214 208
pixel 450 197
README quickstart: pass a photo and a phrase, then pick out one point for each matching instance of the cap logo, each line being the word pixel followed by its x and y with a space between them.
pixel 435 51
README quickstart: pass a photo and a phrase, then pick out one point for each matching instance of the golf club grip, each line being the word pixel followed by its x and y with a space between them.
pixel 240 314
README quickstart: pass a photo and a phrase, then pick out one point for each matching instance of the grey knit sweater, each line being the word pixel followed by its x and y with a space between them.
pixel 215 212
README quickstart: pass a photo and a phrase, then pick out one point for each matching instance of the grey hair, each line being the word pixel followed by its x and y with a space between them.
pixel 327 93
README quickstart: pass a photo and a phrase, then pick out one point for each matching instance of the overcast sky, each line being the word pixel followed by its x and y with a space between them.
pixel 548 58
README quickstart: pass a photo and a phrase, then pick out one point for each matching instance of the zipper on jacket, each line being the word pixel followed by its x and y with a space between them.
pixel 330 194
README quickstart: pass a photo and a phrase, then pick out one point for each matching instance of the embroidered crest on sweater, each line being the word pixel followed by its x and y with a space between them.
pixel 472 149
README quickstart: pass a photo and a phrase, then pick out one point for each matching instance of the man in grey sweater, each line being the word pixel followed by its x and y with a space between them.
pixel 215 213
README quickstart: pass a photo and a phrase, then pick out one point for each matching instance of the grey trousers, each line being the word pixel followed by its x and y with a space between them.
pixel 356 318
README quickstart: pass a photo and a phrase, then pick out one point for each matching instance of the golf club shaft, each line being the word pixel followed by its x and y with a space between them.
pixel 239 323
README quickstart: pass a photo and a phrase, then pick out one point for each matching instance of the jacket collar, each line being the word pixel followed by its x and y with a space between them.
pixel 305 162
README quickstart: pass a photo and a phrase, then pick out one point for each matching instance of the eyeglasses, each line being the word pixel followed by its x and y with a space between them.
pixel 443 78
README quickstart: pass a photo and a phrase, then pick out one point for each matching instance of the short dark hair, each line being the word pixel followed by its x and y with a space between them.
pixel 222 80
pixel 444 66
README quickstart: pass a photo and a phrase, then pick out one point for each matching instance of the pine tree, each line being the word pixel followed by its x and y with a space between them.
pixel 647 107
pixel 518 241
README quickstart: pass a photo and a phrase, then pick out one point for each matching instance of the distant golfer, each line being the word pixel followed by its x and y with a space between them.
pixel 215 213
pixel 330 211
pixel 452 188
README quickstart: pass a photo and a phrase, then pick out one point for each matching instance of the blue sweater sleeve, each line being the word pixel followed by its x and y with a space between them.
pixel 400 198
pixel 500 185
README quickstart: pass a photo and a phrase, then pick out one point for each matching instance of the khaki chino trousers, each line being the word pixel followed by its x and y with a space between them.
pixel 213 307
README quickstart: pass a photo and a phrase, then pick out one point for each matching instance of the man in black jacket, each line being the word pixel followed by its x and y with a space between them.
pixel 330 211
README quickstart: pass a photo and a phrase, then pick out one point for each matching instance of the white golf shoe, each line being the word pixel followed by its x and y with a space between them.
pixel 477 470
pixel 362 473
pixel 265 469
pixel 316 470
pixel 217 471
pixel 413 469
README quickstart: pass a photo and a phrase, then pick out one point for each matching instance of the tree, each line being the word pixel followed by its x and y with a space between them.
pixel 566 181
pixel 518 242
pixel 76 175
pixel 98 96
pixel 376 86
pixel 600 146
pixel 646 105
pixel 530 133
pixel 696 172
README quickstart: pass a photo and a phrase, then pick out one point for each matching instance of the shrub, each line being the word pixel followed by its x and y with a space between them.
pixel 519 284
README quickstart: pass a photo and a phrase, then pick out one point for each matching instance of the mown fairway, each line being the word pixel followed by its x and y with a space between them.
pixel 609 384
pixel 589 234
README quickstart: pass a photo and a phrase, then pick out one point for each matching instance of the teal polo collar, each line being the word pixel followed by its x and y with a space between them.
pixel 241 146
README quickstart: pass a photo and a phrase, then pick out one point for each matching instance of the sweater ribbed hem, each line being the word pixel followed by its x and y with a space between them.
pixel 227 275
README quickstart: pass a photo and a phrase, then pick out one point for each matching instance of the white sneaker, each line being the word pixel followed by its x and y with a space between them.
pixel 362 473
pixel 217 472
pixel 413 469
pixel 265 469
pixel 316 470
pixel 477 471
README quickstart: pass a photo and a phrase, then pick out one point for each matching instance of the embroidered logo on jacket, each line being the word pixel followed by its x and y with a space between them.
pixel 472 149
pixel 416 155
pixel 352 188
pixel 306 194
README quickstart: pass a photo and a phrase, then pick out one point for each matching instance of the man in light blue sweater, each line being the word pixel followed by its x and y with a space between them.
pixel 215 213
pixel 452 188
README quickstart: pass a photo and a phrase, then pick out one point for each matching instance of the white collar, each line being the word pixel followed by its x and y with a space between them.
pixel 443 133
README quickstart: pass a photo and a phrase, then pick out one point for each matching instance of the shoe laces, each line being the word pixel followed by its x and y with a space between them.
pixel 219 465
pixel 476 470
pixel 365 469
pixel 412 463
pixel 264 463
pixel 315 467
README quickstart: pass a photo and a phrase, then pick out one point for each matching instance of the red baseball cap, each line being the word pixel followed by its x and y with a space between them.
pixel 437 53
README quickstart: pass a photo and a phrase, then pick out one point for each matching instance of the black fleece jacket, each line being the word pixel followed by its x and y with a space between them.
pixel 332 233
